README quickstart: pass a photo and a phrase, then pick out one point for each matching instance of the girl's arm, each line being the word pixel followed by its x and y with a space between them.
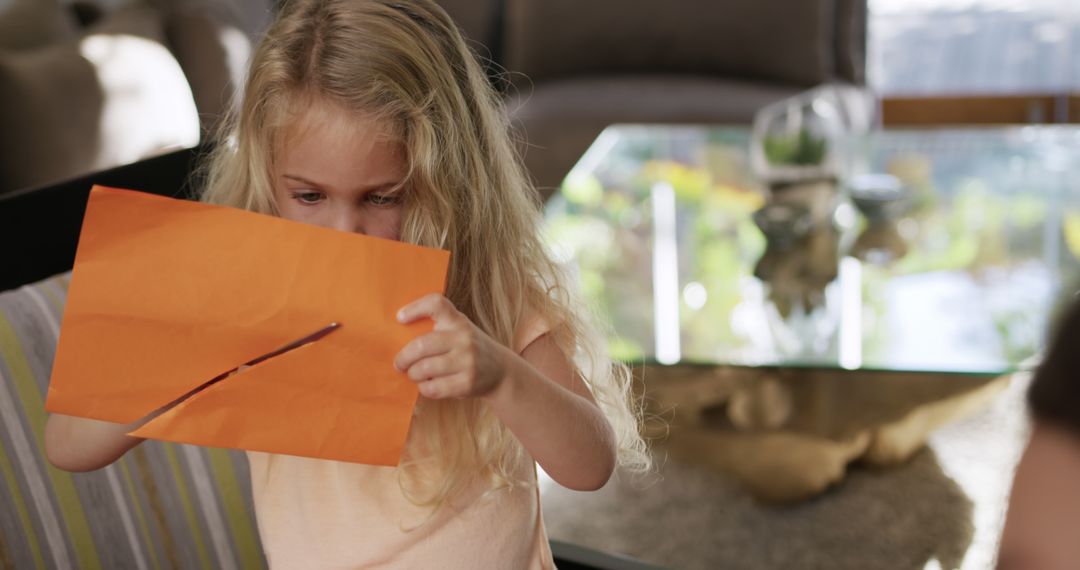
pixel 538 395
pixel 543 400
pixel 83 444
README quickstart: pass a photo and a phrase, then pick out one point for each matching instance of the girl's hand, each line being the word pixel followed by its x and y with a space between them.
pixel 457 359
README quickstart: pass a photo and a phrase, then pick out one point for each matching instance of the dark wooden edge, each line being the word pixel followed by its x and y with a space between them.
pixel 1030 108
pixel 39 227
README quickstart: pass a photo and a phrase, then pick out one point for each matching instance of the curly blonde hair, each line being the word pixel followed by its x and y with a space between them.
pixel 405 63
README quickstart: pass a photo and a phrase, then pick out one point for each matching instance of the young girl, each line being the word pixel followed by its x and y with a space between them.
pixel 373 116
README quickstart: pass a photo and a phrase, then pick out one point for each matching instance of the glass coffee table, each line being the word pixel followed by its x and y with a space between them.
pixel 781 354
pixel 825 313
pixel 962 277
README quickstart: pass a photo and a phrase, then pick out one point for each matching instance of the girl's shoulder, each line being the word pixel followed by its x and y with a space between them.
pixel 531 327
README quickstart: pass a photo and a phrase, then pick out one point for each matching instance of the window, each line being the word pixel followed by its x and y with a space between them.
pixel 976 61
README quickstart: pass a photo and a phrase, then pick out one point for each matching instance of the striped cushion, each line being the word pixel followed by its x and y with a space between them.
pixel 161 506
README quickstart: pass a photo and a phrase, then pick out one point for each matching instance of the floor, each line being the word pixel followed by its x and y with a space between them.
pixel 941 510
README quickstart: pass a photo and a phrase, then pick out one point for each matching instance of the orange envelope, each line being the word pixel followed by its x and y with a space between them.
pixel 167 294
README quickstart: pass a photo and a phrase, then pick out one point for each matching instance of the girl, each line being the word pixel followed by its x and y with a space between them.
pixel 373 116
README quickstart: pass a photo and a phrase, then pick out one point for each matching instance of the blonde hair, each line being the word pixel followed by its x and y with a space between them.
pixel 406 63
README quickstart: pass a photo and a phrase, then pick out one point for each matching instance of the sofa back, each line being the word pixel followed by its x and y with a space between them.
pixel 479 20
pixel 801 43
pixel 162 505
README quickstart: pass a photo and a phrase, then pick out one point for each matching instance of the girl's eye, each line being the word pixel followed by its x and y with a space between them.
pixel 383 200
pixel 308 198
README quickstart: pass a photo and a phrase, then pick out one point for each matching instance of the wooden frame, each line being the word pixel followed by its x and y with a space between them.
pixel 1036 108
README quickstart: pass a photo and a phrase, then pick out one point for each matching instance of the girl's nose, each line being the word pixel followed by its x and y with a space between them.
pixel 350 220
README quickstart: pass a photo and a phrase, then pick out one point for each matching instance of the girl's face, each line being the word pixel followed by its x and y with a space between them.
pixel 340 171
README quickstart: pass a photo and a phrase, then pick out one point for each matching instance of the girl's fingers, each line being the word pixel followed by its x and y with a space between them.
pixel 432 367
pixel 453 386
pixel 434 306
pixel 424 346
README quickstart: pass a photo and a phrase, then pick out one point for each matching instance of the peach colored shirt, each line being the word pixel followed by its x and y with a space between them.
pixel 314 513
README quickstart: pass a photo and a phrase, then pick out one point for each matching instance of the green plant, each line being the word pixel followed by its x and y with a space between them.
pixel 802 149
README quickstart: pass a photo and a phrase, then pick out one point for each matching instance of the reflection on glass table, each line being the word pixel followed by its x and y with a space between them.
pixel 674 242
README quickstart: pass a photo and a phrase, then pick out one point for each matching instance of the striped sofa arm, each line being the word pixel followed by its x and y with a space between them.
pixel 162 505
